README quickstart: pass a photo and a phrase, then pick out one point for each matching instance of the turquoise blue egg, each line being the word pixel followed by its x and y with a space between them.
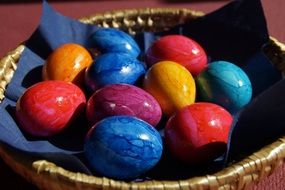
pixel 113 68
pixel 225 84
pixel 122 147
pixel 108 40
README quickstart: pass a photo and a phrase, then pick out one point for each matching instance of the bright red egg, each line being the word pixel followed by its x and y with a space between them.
pixel 198 133
pixel 48 107
pixel 180 49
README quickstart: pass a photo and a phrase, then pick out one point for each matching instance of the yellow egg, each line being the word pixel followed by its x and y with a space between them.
pixel 171 84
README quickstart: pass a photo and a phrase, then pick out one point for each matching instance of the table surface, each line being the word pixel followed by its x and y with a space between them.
pixel 20 18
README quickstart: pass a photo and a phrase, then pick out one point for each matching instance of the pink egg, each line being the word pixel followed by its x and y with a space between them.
pixel 198 133
pixel 48 107
pixel 180 49
pixel 123 99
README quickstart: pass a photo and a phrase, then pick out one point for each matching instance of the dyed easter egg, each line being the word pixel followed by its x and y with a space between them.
pixel 225 84
pixel 48 107
pixel 123 99
pixel 68 63
pixel 171 85
pixel 180 49
pixel 122 147
pixel 198 133
pixel 109 40
pixel 113 68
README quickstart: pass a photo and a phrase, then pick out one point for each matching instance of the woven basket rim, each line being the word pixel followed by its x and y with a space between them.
pixel 242 169
pixel 260 164
pixel 119 13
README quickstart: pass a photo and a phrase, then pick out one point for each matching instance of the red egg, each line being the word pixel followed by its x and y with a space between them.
pixel 180 49
pixel 48 107
pixel 198 133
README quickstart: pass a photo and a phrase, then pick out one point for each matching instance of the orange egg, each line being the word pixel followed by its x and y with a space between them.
pixel 68 63
pixel 171 84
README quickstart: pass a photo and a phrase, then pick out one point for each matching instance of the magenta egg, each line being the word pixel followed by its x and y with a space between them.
pixel 123 99
pixel 48 107
pixel 180 49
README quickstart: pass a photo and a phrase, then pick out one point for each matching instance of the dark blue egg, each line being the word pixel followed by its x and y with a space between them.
pixel 225 84
pixel 113 68
pixel 108 40
pixel 122 147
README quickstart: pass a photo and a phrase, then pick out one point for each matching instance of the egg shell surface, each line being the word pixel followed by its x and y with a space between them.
pixel 123 99
pixel 198 133
pixel 113 68
pixel 68 63
pixel 109 40
pixel 180 49
pixel 48 107
pixel 225 84
pixel 122 147
pixel 171 84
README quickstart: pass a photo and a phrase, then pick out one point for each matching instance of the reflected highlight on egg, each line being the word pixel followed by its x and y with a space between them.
pixel 68 63
pixel 225 84
pixel 122 147
pixel 171 84
pixel 198 133
pixel 123 99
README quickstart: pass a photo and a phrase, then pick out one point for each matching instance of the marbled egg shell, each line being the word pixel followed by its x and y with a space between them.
pixel 123 99
pixel 198 133
pixel 122 147
pixel 113 68
pixel 180 49
pixel 171 85
pixel 48 107
pixel 109 40
pixel 225 84
pixel 68 63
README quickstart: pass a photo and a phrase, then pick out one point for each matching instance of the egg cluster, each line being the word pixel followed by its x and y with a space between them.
pixel 128 98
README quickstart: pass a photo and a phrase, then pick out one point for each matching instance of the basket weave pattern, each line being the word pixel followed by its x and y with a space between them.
pixel 47 175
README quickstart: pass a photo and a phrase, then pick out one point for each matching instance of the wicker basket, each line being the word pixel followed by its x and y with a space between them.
pixel 47 175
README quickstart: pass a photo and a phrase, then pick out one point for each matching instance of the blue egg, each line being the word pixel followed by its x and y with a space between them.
pixel 113 68
pixel 122 147
pixel 225 84
pixel 108 40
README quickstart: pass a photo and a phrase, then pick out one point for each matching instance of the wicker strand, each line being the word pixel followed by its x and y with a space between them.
pixel 238 176
pixel 8 64
pixel 138 20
